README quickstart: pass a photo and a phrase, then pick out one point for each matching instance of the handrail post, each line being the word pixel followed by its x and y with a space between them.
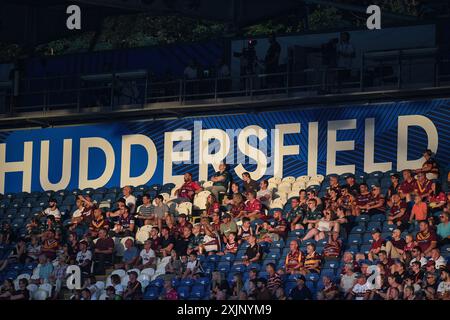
pixel 215 88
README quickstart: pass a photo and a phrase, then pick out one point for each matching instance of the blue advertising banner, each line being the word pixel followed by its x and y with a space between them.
pixel 357 138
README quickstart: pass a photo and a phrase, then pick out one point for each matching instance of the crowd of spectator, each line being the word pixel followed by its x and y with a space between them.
pixel 240 223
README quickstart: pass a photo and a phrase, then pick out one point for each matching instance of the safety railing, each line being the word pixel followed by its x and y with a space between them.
pixel 377 71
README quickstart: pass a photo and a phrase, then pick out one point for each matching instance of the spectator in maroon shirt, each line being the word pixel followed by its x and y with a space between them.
pixel 188 190
pixel 407 186
pixel 377 245
pixel 426 238
pixel 154 239
pixel 253 207
pixel 103 250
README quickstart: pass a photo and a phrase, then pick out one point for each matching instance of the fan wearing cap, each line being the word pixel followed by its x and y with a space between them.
pixel 228 225
pixel 351 185
pixel 301 291
pixel 378 244
pixel 134 287
pixel 52 209
pixel 361 290
pixel 376 204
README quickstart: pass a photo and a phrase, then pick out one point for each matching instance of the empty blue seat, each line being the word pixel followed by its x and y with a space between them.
pixel 97 197
pixel 331 264
pixel 378 217
pixel 353 249
pixel 213 258
pixel 372 225
pixel 330 273
pixel 362 218
pixel 227 257
pixel 388 227
pixel 365 248
pixel 367 238
pixel 183 292
pixel 151 293
pixel 313 277
pixel 204 281
pixel 186 282
pixel 197 291
pixel 354 238
pixel 223 266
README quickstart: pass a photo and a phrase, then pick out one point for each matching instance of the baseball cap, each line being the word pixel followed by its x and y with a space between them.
pixel 376 231
pixel 52 200
pixel 430 263
pixel 301 277
pixel 226 216
pixel 395 175
pixel 83 242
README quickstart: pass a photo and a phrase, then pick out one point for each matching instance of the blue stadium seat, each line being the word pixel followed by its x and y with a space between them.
pixel 183 292
pixel 372 225
pixel 223 266
pixel 378 217
pixel 365 248
pixel 97 197
pixel 330 273
pixel 151 293
pixel 197 291
pixel 88 191
pixel 202 281
pixel 229 257
pixel 362 218
pixel 388 227
pixel 367 238
pixel 312 277
pixel 353 249
pixel 354 239
pixel 213 258
pixel 331 264
pixel 186 282
pixel 278 244
pixel 289 286
pixel 157 283
pixel 359 229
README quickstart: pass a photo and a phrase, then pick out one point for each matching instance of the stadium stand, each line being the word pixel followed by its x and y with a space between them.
pixel 203 261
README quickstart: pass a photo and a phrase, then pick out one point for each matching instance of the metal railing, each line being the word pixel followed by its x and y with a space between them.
pixel 391 70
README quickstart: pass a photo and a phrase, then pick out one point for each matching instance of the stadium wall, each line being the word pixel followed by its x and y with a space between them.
pixel 355 139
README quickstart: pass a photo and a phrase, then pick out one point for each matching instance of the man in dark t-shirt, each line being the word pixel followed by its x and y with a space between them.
pixel 254 251
pixel 103 251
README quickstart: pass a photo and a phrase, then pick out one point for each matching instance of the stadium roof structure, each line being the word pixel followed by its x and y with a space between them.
pixel 29 22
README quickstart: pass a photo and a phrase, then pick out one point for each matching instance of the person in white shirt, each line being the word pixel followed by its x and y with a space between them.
pixel 264 194
pixel 147 256
pixel 443 289
pixel 52 210
pixel 361 290
pixel 439 260
pixel 84 258
pixel 117 284
pixel 130 200
pixel 418 256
